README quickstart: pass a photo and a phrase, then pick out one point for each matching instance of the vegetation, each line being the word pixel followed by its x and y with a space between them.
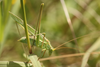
pixel 70 26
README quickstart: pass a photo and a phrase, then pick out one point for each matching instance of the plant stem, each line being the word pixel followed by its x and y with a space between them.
pixel 38 24
pixel 25 25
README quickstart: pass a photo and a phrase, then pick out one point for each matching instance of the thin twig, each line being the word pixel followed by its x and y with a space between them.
pixel 64 56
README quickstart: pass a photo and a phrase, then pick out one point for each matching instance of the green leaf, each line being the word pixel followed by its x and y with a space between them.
pixel 6 21
pixel 34 60
pixel 14 64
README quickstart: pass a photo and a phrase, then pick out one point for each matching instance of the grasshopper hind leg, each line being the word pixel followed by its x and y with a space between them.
pixel 42 55
pixel 42 44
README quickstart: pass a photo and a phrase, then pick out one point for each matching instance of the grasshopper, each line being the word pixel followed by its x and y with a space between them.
pixel 37 39
pixel 44 43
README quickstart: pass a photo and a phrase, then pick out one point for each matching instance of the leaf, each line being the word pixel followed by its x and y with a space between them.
pixel 20 22
pixel 88 52
pixel 34 60
pixel 14 64
pixel 7 22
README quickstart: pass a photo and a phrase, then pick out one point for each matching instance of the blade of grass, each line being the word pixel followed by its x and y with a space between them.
pixel 91 11
pixel 69 21
pixel 14 64
pixel 8 5
pixel 15 10
pixel 94 47
pixel 35 61
pixel 25 26
pixel 85 20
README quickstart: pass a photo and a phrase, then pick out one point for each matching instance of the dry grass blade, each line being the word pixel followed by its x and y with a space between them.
pixel 91 11
pixel 68 20
pixel 64 56
pixel 86 21
pixel 83 4
pixel 94 14
pixel 89 51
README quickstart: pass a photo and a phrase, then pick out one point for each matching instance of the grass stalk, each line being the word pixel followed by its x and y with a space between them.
pixel 25 25
pixel 69 22
pixel 8 5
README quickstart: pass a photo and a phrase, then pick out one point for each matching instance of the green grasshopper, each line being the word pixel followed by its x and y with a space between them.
pixel 44 43
pixel 37 39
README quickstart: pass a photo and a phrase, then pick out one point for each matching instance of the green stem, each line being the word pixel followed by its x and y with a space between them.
pixel 38 24
pixel 25 25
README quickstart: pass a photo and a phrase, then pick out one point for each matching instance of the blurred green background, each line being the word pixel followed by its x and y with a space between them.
pixel 85 17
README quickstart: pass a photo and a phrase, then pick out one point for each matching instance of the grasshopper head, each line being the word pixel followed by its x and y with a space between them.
pixel 50 52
